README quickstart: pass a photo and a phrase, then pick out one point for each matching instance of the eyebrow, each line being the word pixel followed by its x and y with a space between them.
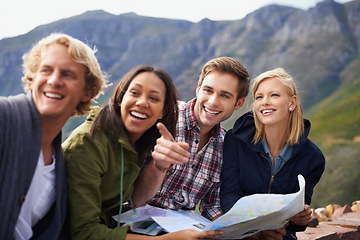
pixel 67 70
pixel 222 91
pixel 141 86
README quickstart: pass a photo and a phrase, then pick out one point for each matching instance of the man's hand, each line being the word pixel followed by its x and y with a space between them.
pixel 167 151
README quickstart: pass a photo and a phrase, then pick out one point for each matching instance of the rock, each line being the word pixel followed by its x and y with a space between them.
pixel 341 211
pixel 322 214
pixel 345 227
pixel 330 209
pixel 356 206
pixel 314 221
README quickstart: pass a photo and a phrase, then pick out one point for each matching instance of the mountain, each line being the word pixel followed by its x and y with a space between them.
pixel 319 47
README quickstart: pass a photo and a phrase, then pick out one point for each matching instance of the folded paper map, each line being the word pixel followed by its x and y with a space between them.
pixel 249 215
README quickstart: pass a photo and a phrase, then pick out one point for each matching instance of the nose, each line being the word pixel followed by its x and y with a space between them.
pixel 142 102
pixel 265 100
pixel 213 99
pixel 55 79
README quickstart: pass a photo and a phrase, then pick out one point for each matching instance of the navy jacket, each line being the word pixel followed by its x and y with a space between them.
pixel 247 170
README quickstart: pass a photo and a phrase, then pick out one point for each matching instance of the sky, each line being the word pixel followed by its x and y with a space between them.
pixel 21 16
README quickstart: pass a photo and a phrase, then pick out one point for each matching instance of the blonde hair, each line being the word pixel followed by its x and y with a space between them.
pixel 95 80
pixel 295 127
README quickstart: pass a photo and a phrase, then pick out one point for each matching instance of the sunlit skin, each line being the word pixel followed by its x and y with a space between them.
pixel 143 104
pixel 57 89
pixel 272 103
pixel 58 86
pixel 216 99
pixel 141 107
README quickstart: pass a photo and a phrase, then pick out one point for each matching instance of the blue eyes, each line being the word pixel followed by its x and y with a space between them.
pixel 272 95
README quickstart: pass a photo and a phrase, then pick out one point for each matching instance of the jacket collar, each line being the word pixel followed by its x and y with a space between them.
pixel 244 129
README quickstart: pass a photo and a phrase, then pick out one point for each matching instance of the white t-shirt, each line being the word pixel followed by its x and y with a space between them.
pixel 38 200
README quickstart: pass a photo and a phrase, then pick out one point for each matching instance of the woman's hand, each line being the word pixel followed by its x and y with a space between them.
pixel 303 217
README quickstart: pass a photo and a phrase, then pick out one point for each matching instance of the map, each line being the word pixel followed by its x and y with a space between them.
pixel 249 215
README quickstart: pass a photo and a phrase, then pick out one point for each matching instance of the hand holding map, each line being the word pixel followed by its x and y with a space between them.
pixel 249 215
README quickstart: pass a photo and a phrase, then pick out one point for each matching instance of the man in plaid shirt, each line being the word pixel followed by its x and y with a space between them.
pixel 195 158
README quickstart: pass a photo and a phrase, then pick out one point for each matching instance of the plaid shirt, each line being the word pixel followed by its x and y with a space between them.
pixel 199 179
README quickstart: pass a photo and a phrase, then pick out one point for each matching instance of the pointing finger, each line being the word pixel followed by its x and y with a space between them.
pixel 165 132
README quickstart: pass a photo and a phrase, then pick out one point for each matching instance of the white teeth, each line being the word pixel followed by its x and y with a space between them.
pixel 138 115
pixel 211 112
pixel 53 95
pixel 267 111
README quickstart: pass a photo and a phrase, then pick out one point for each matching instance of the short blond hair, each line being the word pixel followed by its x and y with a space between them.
pixel 295 127
pixel 95 79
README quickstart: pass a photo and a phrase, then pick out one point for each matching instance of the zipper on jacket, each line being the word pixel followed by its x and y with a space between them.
pixel 271 181
pixel 272 175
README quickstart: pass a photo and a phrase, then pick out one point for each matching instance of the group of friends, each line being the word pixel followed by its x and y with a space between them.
pixel 145 146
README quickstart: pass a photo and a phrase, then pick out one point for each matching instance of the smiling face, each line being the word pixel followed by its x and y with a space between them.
pixel 272 103
pixel 142 104
pixel 216 99
pixel 59 85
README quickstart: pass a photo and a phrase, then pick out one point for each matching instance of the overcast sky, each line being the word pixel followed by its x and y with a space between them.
pixel 20 16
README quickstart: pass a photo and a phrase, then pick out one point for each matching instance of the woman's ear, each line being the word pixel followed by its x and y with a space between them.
pixel 293 101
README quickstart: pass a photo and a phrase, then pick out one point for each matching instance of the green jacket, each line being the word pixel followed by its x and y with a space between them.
pixel 93 166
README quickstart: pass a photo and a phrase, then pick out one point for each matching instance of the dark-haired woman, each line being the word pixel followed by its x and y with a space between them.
pixel 105 156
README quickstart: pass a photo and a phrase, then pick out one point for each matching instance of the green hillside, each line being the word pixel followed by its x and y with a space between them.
pixel 338 116
pixel 336 130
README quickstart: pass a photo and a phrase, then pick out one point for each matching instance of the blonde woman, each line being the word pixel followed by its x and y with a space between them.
pixel 268 148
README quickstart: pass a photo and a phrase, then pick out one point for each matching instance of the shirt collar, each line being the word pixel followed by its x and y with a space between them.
pixel 190 116
pixel 285 154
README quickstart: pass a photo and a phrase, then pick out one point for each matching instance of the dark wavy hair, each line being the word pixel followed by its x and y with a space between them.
pixel 109 116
